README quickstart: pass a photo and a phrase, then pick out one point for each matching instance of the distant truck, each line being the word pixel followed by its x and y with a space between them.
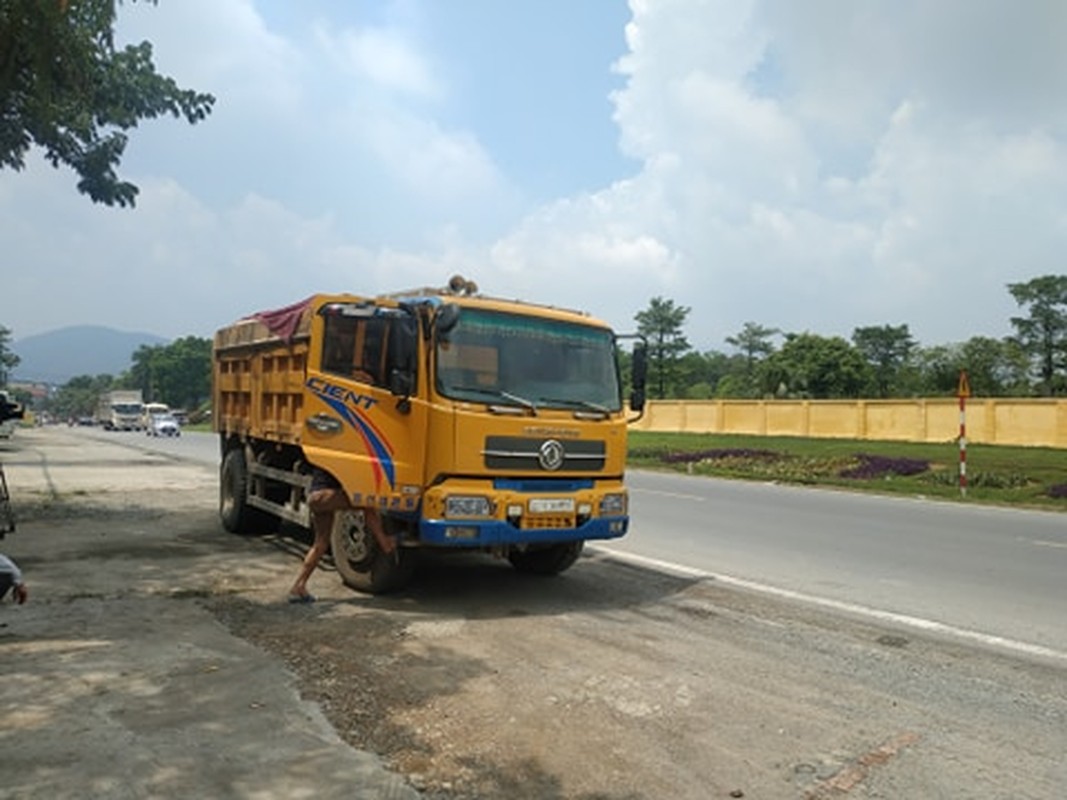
pixel 120 410
pixel 471 423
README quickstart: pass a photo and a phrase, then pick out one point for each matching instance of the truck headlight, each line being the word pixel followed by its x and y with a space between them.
pixel 458 505
pixel 612 505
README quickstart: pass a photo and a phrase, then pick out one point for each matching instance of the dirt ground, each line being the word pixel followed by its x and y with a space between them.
pixel 157 658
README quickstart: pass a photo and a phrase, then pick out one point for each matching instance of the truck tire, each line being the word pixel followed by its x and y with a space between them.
pixel 233 488
pixel 236 515
pixel 360 561
pixel 549 559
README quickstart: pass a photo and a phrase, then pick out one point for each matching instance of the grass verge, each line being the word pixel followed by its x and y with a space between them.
pixel 1016 476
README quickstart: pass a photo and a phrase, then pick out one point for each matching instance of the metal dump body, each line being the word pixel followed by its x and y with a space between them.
pixel 259 379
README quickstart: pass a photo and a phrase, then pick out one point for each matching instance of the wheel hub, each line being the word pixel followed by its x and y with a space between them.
pixel 354 541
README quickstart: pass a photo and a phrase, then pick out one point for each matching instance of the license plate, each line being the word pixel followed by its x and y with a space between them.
pixel 552 505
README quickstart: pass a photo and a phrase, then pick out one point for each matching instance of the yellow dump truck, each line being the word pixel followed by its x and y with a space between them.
pixel 469 422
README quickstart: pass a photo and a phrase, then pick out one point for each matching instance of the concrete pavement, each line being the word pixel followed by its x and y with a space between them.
pixel 117 679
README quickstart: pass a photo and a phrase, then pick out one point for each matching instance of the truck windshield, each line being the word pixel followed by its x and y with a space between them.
pixel 508 359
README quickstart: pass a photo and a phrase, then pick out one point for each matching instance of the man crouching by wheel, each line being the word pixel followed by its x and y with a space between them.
pixel 325 498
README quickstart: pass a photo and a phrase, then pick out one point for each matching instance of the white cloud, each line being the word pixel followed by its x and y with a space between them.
pixel 862 184
pixel 439 166
pixel 815 166
pixel 219 46
pixel 383 57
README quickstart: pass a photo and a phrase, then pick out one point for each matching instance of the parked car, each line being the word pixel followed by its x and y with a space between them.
pixel 163 425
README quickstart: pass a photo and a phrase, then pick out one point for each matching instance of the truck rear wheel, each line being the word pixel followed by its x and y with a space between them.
pixel 360 561
pixel 236 515
pixel 549 559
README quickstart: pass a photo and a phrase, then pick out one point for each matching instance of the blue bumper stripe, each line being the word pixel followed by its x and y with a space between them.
pixel 495 532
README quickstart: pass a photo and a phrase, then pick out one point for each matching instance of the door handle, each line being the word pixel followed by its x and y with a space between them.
pixel 324 423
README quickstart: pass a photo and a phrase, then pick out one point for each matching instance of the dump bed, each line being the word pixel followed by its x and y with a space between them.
pixel 260 366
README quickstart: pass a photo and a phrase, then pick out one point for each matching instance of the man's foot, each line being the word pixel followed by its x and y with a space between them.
pixel 302 598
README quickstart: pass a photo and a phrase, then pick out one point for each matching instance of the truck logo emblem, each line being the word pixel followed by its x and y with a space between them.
pixel 550 456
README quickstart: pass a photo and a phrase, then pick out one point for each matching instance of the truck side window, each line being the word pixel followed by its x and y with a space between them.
pixel 338 345
pixel 371 350
pixel 355 348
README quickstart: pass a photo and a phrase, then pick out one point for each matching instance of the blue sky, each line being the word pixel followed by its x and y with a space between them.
pixel 811 166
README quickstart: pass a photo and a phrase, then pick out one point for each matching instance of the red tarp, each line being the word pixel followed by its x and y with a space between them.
pixel 283 322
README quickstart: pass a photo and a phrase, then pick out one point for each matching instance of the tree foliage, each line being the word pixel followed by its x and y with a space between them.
pixel 8 359
pixel 881 361
pixel 754 342
pixel 178 374
pixel 78 396
pixel 661 324
pixel 65 88
pixel 995 368
pixel 887 348
pixel 1043 333
pixel 815 366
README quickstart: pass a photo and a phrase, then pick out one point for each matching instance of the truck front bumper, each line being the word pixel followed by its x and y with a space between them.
pixel 515 511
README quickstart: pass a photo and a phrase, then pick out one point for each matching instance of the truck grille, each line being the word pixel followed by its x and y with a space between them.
pixel 543 454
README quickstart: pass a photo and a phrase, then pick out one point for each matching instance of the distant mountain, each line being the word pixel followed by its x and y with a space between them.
pixel 57 356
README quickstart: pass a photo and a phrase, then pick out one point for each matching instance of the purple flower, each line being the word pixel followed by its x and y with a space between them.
pixel 872 466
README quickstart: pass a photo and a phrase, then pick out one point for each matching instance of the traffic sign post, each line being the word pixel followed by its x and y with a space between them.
pixel 964 391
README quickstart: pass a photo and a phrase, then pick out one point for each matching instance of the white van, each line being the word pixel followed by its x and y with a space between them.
pixel 150 410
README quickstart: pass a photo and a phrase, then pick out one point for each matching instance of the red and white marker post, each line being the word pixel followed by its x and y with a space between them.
pixel 963 392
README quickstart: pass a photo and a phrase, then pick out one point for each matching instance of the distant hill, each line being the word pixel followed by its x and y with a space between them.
pixel 57 356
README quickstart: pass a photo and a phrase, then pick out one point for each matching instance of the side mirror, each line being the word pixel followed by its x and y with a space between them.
pixel 639 373
pixel 404 348
pixel 640 366
pixel 637 399
pixel 401 383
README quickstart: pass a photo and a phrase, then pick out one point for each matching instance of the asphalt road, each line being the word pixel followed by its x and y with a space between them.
pixel 991 575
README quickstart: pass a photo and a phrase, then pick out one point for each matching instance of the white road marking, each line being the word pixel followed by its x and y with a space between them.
pixel 1043 543
pixel 920 623
pixel 676 495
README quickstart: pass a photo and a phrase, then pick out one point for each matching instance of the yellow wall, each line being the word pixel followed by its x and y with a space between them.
pixel 1009 421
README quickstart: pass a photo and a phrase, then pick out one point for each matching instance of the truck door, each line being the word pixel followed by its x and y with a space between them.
pixel 363 419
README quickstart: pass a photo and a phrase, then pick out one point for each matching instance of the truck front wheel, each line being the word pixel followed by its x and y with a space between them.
pixel 549 559
pixel 360 561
